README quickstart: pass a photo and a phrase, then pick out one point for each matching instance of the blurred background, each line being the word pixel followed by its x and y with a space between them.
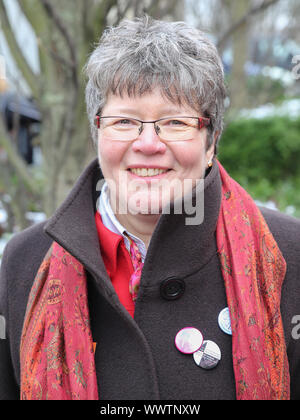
pixel 44 134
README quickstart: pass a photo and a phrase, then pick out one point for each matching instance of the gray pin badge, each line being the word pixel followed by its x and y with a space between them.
pixel 208 356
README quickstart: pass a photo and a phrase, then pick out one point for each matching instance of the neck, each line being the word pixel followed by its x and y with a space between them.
pixel 140 225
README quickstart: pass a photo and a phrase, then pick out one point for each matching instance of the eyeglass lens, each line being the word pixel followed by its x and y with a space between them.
pixel 127 129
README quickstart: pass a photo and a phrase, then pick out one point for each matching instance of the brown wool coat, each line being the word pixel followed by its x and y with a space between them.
pixel 136 358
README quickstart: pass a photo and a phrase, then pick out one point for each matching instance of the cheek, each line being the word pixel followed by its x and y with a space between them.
pixel 191 158
pixel 110 154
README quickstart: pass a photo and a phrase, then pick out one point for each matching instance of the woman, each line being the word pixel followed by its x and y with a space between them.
pixel 167 285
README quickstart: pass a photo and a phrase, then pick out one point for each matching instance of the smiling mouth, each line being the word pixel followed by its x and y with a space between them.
pixel 147 172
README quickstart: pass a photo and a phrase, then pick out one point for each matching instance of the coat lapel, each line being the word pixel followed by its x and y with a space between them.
pixel 73 226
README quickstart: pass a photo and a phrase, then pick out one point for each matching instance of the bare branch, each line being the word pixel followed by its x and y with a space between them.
pixel 16 52
pixel 152 8
pixel 251 12
pixel 62 60
pixel 99 16
pixel 123 11
pixel 64 32
pixel 17 162
pixel 38 20
pixel 40 24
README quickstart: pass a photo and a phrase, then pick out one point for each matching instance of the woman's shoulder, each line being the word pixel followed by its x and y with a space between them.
pixel 22 256
pixel 281 224
pixel 21 259
pixel 286 232
pixel 27 242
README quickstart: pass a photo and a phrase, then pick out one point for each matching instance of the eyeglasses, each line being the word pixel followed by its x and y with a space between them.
pixel 168 129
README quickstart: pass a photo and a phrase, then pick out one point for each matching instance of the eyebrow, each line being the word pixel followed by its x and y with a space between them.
pixel 165 112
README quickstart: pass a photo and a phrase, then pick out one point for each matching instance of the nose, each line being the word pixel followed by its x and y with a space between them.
pixel 148 141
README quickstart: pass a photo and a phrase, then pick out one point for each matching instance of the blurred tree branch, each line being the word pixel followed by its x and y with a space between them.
pixel 66 35
pixel 243 20
pixel 40 24
pixel 17 182
pixel 16 52
pixel 17 162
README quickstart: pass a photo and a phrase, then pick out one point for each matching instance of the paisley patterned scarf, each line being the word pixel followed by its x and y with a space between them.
pixel 253 269
pixel 56 353
pixel 57 357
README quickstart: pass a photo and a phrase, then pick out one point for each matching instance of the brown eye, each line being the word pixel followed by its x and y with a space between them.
pixel 123 122
pixel 176 122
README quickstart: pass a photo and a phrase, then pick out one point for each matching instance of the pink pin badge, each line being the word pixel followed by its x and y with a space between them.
pixel 188 340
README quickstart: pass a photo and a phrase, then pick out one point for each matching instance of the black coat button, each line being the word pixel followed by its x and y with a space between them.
pixel 172 288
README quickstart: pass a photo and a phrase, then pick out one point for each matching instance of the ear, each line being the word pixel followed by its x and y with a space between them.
pixel 210 151
pixel 213 150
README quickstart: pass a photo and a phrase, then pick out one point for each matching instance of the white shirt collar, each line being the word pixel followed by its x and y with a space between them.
pixel 111 222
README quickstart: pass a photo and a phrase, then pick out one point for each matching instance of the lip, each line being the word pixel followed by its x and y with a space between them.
pixel 148 167
pixel 148 178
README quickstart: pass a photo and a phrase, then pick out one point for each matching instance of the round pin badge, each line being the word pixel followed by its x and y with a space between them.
pixel 224 321
pixel 188 340
pixel 208 356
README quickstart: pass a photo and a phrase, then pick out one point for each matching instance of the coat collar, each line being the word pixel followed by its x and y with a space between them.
pixel 175 249
pixel 73 225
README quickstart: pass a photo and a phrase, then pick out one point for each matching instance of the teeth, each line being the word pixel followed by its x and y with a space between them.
pixel 147 171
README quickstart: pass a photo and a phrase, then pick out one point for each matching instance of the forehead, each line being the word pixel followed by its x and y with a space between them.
pixel 153 102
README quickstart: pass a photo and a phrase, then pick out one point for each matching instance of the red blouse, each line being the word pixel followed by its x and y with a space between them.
pixel 117 261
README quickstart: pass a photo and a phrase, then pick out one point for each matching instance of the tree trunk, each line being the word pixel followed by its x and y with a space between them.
pixel 238 78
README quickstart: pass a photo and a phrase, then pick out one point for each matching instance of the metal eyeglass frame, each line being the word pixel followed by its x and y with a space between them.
pixel 202 121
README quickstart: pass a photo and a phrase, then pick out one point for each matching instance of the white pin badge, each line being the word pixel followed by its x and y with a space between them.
pixel 208 356
pixel 224 321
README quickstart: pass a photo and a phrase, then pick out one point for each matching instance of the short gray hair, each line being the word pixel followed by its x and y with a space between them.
pixel 138 55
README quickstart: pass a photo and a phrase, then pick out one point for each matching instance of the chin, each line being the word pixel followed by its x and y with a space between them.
pixel 144 204
pixel 141 204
